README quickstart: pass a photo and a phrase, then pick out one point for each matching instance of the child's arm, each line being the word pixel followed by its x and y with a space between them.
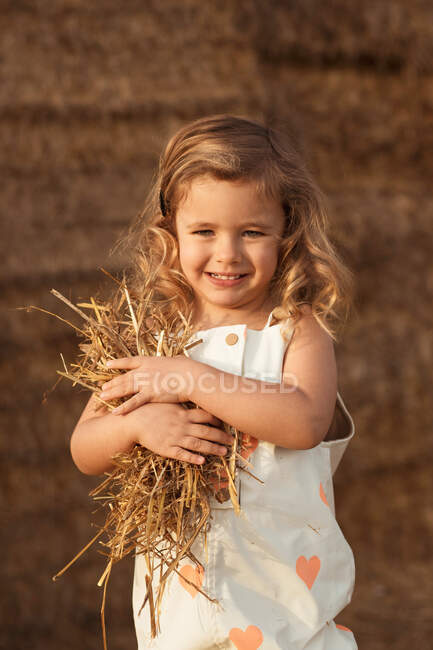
pixel 297 417
pixel 97 437
pixel 166 429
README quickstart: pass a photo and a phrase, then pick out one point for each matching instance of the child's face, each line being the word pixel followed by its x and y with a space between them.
pixel 227 228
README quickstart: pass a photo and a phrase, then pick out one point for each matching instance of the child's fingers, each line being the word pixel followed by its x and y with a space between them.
pixel 211 433
pixel 200 415
pixel 187 456
pixel 126 384
pixel 203 446
pixel 138 400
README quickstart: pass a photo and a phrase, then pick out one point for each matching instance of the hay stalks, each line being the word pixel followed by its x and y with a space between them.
pixel 155 506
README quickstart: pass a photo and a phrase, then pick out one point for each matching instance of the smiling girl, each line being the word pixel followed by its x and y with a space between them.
pixel 235 234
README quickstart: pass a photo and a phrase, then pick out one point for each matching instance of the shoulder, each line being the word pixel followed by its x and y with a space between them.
pixel 307 330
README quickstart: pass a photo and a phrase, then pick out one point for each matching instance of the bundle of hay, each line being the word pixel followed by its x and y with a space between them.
pixel 154 505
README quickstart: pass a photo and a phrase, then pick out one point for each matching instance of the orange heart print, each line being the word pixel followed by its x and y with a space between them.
pixel 194 575
pixel 323 496
pixel 251 639
pixel 307 570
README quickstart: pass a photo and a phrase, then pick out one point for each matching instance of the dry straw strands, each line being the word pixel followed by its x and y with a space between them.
pixel 154 505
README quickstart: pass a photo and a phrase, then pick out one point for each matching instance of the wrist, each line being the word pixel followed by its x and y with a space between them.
pixel 185 369
pixel 198 378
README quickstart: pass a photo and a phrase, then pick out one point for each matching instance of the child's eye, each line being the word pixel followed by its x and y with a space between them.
pixel 205 232
pixel 254 232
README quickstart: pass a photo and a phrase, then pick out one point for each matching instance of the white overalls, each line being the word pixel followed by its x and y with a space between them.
pixel 282 570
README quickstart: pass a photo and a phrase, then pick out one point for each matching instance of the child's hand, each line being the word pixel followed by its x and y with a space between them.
pixel 149 379
pixel 175 432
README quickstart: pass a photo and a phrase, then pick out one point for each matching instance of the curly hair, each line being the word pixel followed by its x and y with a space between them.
pixel 227 147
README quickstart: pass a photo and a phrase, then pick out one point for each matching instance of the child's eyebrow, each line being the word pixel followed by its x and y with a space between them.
pixel 208 224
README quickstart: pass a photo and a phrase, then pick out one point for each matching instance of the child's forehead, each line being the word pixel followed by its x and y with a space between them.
pixel 244 190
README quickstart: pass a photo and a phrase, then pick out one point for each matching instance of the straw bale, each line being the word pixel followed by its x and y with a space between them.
pixel 360 120
pixel 394 544
pixel 359 124
pixel 100 50
pixel 73 601
pixel 384 36
pixel 122 58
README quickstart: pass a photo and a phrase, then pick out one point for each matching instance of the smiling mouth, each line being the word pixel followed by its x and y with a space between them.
pixel 224 276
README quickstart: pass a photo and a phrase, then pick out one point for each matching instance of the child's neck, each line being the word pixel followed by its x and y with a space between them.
pixel 254 319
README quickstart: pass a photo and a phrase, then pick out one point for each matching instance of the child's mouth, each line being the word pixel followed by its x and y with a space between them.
pixel 225 280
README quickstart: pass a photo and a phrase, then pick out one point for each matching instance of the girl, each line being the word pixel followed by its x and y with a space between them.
pixel 235 233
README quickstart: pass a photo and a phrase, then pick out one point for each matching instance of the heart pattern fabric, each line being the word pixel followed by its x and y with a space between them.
pixel 308 570
pixel 250 639
pixel 194 575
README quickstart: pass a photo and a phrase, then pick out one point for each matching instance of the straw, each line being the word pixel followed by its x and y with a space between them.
pixel 155 506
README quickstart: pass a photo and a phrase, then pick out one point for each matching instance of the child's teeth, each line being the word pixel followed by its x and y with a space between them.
pixel 225 277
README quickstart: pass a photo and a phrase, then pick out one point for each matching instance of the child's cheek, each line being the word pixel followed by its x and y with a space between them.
pixel 192 258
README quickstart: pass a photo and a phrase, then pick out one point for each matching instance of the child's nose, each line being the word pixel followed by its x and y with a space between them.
pixel 228 250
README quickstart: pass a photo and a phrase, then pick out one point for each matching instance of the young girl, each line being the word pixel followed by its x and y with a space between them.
pixel 235 234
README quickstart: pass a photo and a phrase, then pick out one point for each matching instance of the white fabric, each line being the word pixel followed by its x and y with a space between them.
pixel 282 569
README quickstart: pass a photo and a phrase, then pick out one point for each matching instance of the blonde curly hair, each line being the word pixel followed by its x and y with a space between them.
pixel 227 147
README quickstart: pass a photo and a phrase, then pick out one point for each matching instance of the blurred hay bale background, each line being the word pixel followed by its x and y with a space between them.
pixel 89 94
